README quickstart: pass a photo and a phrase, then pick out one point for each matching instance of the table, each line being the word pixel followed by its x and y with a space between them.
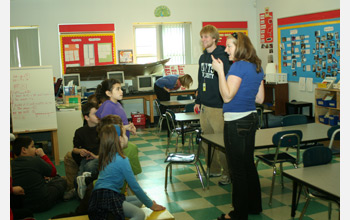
pixel 177 103
pixel 186 117
pixel 299 107
pixel 263 138
pixel 322 178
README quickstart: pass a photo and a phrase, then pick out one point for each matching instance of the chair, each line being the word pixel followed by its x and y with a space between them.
pixel 260 111
pixel 314 156
pixel 161 116
pixel 189 107
pixel 295 119
pixel 334 134
pixel 184 159
pixel 173 129
pixel 184 97
pixel 282 139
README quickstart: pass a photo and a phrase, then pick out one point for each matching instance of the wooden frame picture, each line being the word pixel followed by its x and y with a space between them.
pixel 125 56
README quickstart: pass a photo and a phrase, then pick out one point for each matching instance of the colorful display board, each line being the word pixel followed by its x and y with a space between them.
pixel 87 45
pixel 309 46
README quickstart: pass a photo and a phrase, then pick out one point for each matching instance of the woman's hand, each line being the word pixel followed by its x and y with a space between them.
pixel 217 64
pixel 156 207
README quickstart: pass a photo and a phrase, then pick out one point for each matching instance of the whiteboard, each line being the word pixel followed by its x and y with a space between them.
pixel 32 98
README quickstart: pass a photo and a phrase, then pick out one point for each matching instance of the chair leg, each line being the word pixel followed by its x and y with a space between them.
pixel 160 123
pixel 166 177
pixel 256 163
pixel 272 184
pixel 329 210
pixel 200 176
pixel 281 172
pixel 305 207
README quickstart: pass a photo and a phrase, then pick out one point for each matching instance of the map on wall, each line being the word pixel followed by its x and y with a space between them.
pixel 311 47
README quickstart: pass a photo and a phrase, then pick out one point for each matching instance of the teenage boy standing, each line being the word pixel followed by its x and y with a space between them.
pixel 209 101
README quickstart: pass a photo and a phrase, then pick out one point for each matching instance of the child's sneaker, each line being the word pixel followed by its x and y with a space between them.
pixel 224 180
pixel 81 186
pixel 87 174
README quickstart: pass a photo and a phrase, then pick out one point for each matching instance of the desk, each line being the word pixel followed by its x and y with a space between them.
pixel 322 178
pixel 263 138
pixel 298 106
pixel 266 113
pixel 186 117
pixel 177 103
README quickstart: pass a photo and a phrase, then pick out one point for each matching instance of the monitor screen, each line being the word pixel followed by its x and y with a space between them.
pixel 69 77
pixel 145 82
pixel 119 75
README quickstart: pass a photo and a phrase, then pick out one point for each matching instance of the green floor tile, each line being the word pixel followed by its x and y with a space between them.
pixel 219 199
pixel 153 152
pixel 144 158
pixel 196 184
pixel 173 207
pixel 144 145
pixel 313 207
pixel 183 195
pixel 152 168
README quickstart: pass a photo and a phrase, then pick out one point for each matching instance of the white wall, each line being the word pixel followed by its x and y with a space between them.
pixel 286 8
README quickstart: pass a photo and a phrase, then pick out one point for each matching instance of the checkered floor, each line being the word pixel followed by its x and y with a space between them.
pixel 186 199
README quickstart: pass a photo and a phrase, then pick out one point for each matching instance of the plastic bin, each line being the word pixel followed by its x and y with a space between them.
pixel 138 119
pixel 323 120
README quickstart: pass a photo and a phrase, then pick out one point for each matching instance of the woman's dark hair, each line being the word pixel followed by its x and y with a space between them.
pixel 106 85
pixel 20 142
pixel 109 146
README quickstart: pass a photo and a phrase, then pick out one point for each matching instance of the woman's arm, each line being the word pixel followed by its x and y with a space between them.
pixel 261 93
pixel 229 88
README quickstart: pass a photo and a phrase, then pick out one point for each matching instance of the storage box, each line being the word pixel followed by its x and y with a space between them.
pixel 323 120
pixel 276 78
pixel 138 118
pixel 333 120
pixel 332 103
pixel 320 102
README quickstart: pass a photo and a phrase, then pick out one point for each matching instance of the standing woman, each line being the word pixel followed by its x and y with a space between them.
pixel 240 90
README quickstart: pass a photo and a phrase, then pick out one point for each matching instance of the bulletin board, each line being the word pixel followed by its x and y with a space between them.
pixel 33 106
pixel 85 45
pixel 309 46
pixel 226 28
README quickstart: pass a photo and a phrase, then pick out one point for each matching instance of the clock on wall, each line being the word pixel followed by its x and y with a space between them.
pixel 162 11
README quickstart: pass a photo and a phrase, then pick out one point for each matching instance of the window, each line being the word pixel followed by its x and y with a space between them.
pixel 24 46
pixel 155 42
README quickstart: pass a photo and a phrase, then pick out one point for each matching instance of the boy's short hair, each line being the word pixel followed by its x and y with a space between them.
pixel 212 30
pixel 86 108
pixel 20 142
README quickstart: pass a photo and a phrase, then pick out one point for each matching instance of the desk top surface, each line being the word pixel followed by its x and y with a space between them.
pixel 187 116
pixel 263 137
pixel 177 102
pixel 323 177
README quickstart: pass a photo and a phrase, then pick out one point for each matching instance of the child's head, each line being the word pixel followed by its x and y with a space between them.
pixel 109 146
pixel 109 89
pixel 109 120
pixel 186 81
pixel 88 110
pixel 23 145
pixel 92 99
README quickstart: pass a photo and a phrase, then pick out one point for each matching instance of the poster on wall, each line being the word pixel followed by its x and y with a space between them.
pixel 311 47
pixel 125 56
pixel 90 45
pixel 226 28
pixel 266 27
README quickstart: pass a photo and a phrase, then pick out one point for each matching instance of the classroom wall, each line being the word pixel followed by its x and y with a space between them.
pixel 286 8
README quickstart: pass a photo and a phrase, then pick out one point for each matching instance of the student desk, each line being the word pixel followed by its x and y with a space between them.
pixel 298 107
pixel 186 117
pixel 263 139
pixel 177 103
pixel 322 178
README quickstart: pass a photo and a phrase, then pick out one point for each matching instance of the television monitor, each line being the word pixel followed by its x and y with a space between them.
pixel 143 83
pixel 116 75
pixel 71 76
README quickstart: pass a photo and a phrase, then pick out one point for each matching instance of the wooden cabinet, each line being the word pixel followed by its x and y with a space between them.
pixel 320 93
pixel 277 95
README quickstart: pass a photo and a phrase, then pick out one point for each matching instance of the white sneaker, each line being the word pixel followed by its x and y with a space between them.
pixel 225 180
pixel 81 186
pixel 87 174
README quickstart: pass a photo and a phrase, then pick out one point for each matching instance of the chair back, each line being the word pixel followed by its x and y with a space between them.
pixel 290 138
pixel 170 118
pixel 317 155
pixel 295 119
pixel 334 131
pixel 260 111
pixel 184 97
pixel 189 107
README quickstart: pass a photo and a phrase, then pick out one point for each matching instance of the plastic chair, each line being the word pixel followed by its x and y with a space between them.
pixel 282 139
pixel 260 111
pixel 173 129
pixel 185 159
pixel 314 156
pixel 334 134
pixel 189 107
pixel 295 119
pixel 184 97
pixel 161 116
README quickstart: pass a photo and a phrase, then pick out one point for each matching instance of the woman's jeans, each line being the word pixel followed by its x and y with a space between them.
pixel 239 138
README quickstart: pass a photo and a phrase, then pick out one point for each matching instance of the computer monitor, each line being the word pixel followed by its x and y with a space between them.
pixel 119 75
pixel 143 83
pixel 71 76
